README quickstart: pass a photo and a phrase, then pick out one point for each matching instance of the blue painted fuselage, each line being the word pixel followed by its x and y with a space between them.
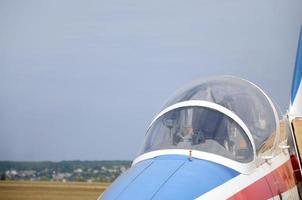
pixel 169 177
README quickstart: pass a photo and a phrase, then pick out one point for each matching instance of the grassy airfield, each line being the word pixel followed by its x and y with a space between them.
pixel 26 190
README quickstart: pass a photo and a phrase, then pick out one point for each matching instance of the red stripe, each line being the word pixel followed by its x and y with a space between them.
pixel 278 181
pixel 296 167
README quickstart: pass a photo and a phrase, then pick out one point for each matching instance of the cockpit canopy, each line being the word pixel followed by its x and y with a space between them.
pixel 210 130
pixel 200 129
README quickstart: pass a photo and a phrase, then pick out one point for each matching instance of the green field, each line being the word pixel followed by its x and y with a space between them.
pixel 27 190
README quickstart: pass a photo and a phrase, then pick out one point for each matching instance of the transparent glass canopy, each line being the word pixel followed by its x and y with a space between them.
pixel 211 131
pixel 238 95
pixel 200 129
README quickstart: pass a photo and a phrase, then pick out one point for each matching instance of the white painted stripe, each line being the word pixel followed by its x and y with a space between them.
pixel 241 181
pixel 295 109
pixel 244 168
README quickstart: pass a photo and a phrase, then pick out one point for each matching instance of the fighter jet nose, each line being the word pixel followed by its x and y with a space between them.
pixel 169 177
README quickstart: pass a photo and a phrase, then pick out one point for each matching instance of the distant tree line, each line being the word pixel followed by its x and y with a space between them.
pixel 63 166
pixel 63 171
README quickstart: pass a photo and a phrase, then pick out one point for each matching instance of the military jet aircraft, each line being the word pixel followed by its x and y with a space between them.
pixel 219 138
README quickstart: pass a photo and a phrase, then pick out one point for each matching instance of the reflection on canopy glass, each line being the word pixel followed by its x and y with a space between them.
pixel 241 97
pixel 201 129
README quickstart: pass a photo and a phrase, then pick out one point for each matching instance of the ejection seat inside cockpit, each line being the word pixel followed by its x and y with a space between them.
pixel 201 129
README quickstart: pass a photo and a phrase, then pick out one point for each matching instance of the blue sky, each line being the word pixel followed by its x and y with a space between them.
pixel 83 79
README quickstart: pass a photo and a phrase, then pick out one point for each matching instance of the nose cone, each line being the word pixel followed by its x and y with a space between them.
pixel 169 177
